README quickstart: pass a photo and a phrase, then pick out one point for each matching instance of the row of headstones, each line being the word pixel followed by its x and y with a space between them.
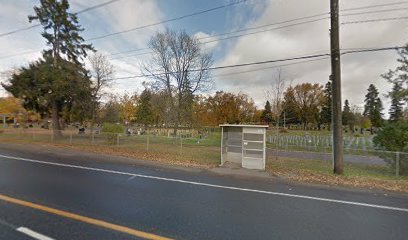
pixel 350 143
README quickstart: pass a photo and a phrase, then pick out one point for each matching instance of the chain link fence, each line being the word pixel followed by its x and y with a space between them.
pixel 181 148
pixel 207 149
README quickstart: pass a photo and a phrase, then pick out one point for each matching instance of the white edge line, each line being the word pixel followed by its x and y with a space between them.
pixel 33 234
pixel 212 185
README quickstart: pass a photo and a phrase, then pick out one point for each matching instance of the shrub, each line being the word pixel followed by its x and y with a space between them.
pixel 111 130
pixel 394 137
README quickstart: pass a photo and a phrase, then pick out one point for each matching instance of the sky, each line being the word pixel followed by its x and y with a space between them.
pixel 307 36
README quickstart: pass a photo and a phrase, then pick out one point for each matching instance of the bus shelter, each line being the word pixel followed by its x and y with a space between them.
pixel 244 145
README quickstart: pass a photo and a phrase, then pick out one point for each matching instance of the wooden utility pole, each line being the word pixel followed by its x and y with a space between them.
pixel 336 88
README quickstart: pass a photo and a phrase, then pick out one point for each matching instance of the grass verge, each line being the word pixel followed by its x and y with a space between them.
pixel 355 175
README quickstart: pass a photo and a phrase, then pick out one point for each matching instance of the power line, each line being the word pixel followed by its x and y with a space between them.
pixel 376 11
pixel 271 67
pixel 316 56
pixel 228 5
pixel 19 30
pixel 267 30
pixel 247 29
pixel 228 66
pixel 372 50
pixel 236 36
pixel 258 27
pixel 375 20
pixel 37 25
pixel 128 51
pixel 168 20
pixel 374 6
pixel 96 6
pixel 137 28
pixel 268 25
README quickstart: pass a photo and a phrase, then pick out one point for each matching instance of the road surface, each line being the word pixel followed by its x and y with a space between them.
pixel 63 194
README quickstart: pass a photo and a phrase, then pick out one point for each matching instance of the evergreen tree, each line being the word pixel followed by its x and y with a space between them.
pixel 397 103
pixel 349 118
pixel 399 76
pixel 373 106
pixel 326 112
pixel 267 113
pixel 40 85
pixel 346 112
pixel 61 30
pixel 289 107
pixel 144 113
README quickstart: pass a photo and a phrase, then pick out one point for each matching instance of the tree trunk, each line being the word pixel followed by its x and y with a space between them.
pixel 56 128
pixel 93 118
pixel 277 137
pixel 176 124
pixel 45 121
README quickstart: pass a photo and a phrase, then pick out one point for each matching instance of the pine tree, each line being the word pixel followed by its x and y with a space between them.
pixel 346 112
pixel 267 113
pixel 349 117
pixel 397 103
pixel 144 113
pixel 289 107
pixel 373 106
pixel 61 30
pixel 326 112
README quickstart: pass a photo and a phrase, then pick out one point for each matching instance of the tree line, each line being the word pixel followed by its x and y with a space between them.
pixel 61 87
pixel 309 105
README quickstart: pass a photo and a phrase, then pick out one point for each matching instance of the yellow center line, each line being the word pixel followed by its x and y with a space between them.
pixel 84 219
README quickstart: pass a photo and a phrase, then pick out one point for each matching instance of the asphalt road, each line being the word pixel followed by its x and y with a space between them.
pixel 179 203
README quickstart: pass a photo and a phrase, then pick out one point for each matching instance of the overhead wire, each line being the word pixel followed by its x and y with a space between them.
pixel 374 6
pixel 375 20
pixel 246 29
pixel 376 11
pixel 140 27
pixel 270 67
pixel 306 57
pixel 38 24
pixel 230 37
pixel 168 20
pixel 227 66
pixel 265 30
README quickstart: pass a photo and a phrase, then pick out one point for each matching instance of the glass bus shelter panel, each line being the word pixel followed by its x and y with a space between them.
pixel 253 148
pixel 253 137
pixel 234 145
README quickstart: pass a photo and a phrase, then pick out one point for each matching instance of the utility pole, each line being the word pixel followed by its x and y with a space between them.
pixel 336 88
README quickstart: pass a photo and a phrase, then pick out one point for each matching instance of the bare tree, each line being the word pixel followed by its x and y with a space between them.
pixel 102 72
pixel 181 69
pixel 275 95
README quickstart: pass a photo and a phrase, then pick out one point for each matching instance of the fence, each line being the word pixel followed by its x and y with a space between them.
pixel 207 150
pixel 180 148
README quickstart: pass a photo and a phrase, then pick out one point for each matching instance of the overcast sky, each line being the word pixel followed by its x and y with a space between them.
pixel 358 70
